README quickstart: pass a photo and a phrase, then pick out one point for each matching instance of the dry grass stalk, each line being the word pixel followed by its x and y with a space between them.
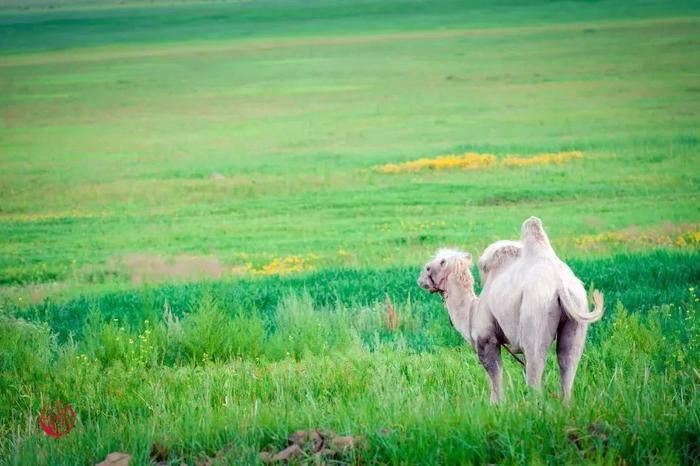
pixel 391 320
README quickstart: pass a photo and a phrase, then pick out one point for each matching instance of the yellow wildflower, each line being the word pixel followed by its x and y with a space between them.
pixel 284 265
pixel 541 159
pixel 475 160
pixel 467 161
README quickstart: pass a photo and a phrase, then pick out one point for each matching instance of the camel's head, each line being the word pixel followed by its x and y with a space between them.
pixel 446 262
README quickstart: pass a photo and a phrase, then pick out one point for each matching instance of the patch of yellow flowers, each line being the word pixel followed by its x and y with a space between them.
pixel 468 161
pixel 684 236
pixel 282 266
pixel 691 238
pixel 475 160
pixel 547 158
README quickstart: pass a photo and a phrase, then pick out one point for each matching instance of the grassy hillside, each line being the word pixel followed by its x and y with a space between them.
pixel 57 24
pixel 263 148
pixel 203 206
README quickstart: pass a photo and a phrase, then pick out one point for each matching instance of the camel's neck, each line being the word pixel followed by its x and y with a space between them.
pixel 461 302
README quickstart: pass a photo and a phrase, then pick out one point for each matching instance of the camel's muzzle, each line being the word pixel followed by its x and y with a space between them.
pixel 426 282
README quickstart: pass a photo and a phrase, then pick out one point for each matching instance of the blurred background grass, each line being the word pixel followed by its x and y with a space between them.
pixel 246 132
pixel 196 244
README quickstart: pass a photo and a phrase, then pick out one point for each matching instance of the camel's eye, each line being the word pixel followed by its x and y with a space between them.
pixel 442 262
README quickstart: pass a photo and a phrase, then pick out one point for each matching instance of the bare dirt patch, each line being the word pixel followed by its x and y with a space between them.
pixel 150 268
pixel 34 293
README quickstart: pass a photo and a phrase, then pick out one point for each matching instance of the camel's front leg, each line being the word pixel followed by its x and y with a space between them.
pixel 489 351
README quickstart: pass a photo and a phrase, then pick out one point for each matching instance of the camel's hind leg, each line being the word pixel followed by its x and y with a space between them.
pixel 571 337
pixel 535 360
pixel 537 330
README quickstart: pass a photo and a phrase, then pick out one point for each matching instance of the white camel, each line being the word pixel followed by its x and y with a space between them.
pixel 529 297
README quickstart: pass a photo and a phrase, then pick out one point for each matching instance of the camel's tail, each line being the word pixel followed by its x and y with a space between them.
pixel 581 315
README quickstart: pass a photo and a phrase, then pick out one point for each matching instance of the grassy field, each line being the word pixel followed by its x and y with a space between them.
pixel 203 206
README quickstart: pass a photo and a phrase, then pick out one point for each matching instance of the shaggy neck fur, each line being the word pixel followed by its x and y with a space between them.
pixel 460 300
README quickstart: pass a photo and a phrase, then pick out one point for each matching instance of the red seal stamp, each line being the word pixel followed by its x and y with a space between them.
pixel 57 418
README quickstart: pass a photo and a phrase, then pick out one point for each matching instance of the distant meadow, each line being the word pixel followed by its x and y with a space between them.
pixel 213 215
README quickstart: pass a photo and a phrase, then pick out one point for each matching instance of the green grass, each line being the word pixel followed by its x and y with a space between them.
pixel 637 281
pixel 224 374
pixel 107 150
pixel 115 115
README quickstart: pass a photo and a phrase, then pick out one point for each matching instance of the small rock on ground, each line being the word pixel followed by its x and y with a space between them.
pixel 116 459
